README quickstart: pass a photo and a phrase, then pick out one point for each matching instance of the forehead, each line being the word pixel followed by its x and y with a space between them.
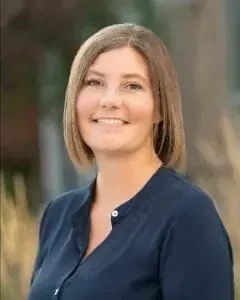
pixel 122 60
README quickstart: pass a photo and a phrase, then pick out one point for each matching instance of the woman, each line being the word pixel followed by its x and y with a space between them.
pixel 139 230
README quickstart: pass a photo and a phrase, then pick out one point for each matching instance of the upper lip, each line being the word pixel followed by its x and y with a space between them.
pixel 110 118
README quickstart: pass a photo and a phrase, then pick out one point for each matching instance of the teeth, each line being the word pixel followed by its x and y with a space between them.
pixel 110 121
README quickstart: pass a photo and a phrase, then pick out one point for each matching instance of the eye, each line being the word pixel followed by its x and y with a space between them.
pixel 93 82
pixel 134 86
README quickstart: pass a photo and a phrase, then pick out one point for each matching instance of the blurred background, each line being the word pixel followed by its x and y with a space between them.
pixel 38 41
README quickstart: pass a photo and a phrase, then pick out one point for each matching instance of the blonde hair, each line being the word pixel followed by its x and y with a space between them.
pixel 169 137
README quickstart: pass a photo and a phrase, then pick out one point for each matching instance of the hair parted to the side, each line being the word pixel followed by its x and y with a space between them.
pixel 169 137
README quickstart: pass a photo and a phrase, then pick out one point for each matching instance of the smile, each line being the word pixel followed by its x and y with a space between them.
pixel 110 121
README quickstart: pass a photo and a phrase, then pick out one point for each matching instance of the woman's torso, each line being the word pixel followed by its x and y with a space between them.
pixel 127 264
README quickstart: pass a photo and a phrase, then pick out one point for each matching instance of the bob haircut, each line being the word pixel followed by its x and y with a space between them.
pixel 168 134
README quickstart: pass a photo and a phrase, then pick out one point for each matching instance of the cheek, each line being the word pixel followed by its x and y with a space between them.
pixel 85 107
pixel 143 111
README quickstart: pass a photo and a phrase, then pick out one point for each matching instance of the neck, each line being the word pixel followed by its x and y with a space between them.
pixel 120 178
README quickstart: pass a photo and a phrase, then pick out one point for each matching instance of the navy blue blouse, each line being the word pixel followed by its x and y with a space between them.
pixel 166 243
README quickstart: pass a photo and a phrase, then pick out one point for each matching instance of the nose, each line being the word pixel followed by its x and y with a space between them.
pixel 111 99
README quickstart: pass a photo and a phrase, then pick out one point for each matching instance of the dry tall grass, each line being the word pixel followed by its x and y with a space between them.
pixel 223 184
pixel 18 242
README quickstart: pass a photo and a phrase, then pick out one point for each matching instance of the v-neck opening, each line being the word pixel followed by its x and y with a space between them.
pixel 97 248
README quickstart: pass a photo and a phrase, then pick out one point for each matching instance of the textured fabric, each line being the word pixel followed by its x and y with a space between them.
pixel 166 243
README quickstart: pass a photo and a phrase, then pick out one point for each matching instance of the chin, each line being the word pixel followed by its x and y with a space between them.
pixel 108 145
pixel 109 149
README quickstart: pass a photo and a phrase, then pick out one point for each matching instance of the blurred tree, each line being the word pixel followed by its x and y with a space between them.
pixel 199 46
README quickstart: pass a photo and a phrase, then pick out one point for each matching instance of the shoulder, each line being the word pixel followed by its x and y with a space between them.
pixel 59 211
pixel 68 201
pixel 189 211
pixel 181 197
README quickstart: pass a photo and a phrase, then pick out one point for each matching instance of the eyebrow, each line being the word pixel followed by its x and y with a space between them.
pixel 125 76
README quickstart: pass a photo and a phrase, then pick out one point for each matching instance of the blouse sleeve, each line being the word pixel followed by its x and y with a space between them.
pixel 196 258
pixel 41 252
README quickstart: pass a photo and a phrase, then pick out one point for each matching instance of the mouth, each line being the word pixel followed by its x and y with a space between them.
pixel 110 121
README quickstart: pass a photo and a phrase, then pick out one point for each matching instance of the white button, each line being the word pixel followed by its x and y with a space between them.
pixel 114 213
pixel 56 292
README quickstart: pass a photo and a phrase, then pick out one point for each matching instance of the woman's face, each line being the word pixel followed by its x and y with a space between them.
pixel 115 106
